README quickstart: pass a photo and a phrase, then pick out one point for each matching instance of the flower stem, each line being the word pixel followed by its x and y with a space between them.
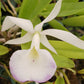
pixel 66 78
pixel 7 8
pixel 12 7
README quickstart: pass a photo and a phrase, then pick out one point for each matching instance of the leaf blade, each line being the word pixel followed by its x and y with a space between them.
pixel 3 50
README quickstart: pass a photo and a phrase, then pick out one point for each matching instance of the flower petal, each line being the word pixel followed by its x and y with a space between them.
pixel 11 21
pixel 51 16
pixel 65 36
pixel 26 38
pixel 46 43
pixel 24 67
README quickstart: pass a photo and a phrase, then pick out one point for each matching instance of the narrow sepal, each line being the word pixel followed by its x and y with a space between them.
pixel 65 36
pixel 26 38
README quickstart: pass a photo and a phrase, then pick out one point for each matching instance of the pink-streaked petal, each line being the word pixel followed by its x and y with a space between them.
pixel 26 38
pixel 27 67
pixel 65 36
pixel 51 16
pixel 22 23
pixel 46 43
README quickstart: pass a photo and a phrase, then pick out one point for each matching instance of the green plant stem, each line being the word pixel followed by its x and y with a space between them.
pixel 74 72
pixel 66 78
pixel 9 73
pixel 7 8
pixel 12 7
pixel 56 74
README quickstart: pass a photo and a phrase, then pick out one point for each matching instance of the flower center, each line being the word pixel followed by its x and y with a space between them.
pixel 33 53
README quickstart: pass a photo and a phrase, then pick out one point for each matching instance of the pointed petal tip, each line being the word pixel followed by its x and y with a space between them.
pixel 24 39
pixel 7 43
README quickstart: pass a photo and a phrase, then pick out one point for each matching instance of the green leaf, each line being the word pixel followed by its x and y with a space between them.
pixel 82 37
pixel 81 12
pixel 60 80
pixel 71 8
pixel 66 50
pixel 66 9
pixel 1 6
pixel 31 8
pixel 74 21
pixel 57 25
pixel 3 50
pixel 81 71
pixel 70 1
pixel 63 62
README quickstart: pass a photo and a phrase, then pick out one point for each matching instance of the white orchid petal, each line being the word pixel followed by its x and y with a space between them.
pixel 11 21
pixel 26 38
pixel 54 12
pixel 51 16
pixel 65 36
pixel 28 66
pixel 46 43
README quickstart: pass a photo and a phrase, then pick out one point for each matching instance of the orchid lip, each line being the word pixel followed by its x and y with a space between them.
pixel 23 68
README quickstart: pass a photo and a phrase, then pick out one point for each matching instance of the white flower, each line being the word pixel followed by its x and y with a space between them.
pixel 36 64
pixel 33 64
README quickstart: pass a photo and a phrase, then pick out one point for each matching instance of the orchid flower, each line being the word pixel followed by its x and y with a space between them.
pixel 36 64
